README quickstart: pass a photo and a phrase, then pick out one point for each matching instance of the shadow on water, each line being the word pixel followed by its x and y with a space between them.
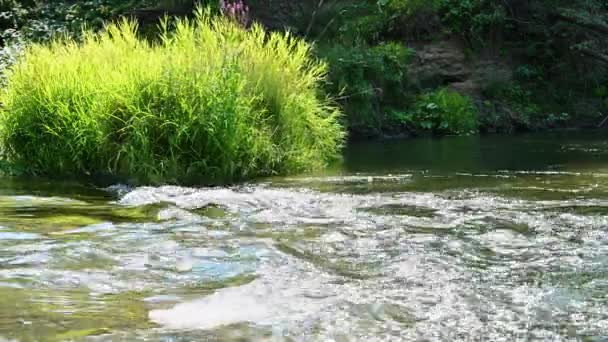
pixel 557 151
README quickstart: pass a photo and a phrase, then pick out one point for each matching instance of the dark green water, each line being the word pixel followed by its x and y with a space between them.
pixel 469 238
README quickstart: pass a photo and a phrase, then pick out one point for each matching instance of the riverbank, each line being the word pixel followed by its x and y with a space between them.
pixel 395 68
pixel 523 66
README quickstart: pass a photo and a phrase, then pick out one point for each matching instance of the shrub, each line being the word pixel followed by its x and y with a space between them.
pixel 530 103
pixel 352 22
pixel 524 108
pixel 474 19
pixel 211 102
pixel 372 84
pixel 445 112
pixel 339 21
pixel 411 19
pixel 409 7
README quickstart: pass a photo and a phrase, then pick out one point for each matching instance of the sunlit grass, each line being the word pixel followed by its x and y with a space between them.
pixel 211 102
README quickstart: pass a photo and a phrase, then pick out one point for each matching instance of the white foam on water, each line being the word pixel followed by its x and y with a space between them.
pixel 274 298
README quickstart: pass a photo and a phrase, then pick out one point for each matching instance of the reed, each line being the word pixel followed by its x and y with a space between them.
pixel 211 102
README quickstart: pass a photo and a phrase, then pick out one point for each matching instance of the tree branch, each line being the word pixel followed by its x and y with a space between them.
pixel 593 54
pixel 594 26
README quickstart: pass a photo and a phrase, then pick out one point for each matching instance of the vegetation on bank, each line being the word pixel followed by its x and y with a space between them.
pixel 546 62
pixel 371 84
pixel 534 65
pixel 210 102
pixel 444 112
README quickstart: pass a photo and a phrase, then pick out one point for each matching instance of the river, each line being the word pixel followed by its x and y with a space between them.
pixel 497 238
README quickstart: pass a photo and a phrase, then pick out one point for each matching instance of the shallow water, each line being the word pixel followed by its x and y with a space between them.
pixel 491 238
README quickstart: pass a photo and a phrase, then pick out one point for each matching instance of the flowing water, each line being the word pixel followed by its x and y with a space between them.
pixel 471 238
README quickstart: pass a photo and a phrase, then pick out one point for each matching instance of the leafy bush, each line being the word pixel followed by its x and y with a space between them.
pixel 409 7
pixel 38 21
pixel 372 85
pixel 444 112
pixel 8 57
pixel 524 110
pixel 211 102
pixel 27 21
pixel 473 19
pixel 527 106
pixel 340 21
pixel 412 19
pixel 42 20
pixel 352 22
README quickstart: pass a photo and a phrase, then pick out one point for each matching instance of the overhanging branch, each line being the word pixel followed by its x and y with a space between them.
pixel 594 54
pixel 594 26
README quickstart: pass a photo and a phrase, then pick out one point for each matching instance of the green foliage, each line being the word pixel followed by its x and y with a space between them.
pixel 372 84
pixel 370 21
pixel 412 19
pixel 561 45
pixel 42 20
pixel 529 73
pixel 523 108
pixel 211 102
pixel 473 19
pixel 346 22
pixel 27 21
pixel 445 112
pixel 7 168
pixel 408 8
pixel 518 105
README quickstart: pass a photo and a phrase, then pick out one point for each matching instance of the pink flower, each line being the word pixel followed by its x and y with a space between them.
pixel 236 10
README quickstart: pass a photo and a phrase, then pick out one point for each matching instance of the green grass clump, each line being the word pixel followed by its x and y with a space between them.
pixel 211 102
pixel 445 112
